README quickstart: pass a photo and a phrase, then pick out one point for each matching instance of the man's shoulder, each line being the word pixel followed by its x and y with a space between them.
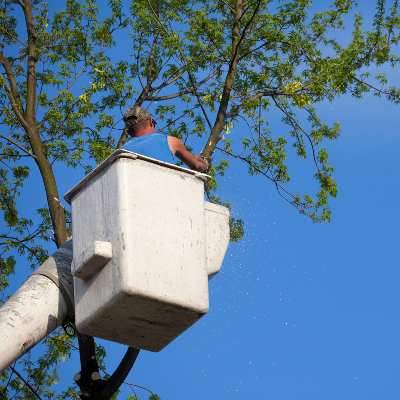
pixel 174 142
pixel 174 139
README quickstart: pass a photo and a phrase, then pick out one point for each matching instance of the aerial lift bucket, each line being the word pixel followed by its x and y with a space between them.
pixel 145 243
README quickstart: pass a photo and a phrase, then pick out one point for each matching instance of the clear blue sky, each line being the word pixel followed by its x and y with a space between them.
pixel 298 311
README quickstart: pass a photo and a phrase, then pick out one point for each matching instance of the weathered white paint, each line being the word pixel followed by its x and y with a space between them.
pixel 217 236
pixel 156 284
pixel 36 309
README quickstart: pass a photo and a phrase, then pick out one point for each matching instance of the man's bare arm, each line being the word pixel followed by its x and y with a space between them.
pixel 191 160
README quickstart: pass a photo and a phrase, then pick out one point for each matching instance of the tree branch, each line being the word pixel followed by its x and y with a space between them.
pixel 198 97
pixel 273 179
pixel 20 3
pixel 237 47
pixel 151 59
pixel 129 384
pixel 221 114
pixel 158 18
pixel 64 341
pixel 391 24
pixel 15 38
pixel 129 358
pixel 12 90
pixel 194 88
pixel 87 353
pixel 373 87
pixel 13 155
pixel 146 89
pixel 32 60
pixel 26 383
pixel 296 92
pixel 299 127
pixel 16 144
pixel 228 5
pixel 186 112
pixel 163 85
pixel 14 107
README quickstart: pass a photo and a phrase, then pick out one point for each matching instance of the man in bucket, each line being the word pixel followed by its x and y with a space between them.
pixel 141 126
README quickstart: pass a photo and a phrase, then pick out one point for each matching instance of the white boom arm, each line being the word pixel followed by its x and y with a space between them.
pixel 37 308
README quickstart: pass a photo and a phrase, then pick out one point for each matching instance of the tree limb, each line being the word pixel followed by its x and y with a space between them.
pixel 64 341
pixel 32 60
pixel 198 97
pixel 20 3
pixel 8 33
pixel 13 155
pixel 186 112
pixel 373 87
pixel 163 85
pixel 158 18
pixel 228 5
pixel 129 384
pixel 183 58
pixel 299 127
pixel 221 114
pixel 146 89
pixel 391 24
pixel 193 89
pixel 279 187
pixel 270 93
pixel 87 353
pixel 16 144
pixel 26 383
pixel 14 107
pixel 237 47
pixel 12 90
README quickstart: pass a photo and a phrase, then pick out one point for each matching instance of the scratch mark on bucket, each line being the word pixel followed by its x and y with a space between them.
pixel 123 241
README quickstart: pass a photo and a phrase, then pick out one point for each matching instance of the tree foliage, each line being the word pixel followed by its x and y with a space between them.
pixel 205 69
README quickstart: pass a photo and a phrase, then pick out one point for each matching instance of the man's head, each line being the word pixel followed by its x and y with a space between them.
pixel 137 119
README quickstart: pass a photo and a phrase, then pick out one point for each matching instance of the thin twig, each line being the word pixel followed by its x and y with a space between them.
pixel 8 33
pixel 373 87
pixel 228 5
pixel 126 383
pixel 299 127
pixel 391 24
pixel 14 155
pixel 273 179
pixel 163 85
pixel 64 341
pixel 194 88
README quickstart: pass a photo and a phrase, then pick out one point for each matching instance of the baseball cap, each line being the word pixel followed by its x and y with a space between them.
pixel 135 115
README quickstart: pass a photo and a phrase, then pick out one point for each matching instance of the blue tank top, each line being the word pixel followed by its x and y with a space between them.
pixel 152 145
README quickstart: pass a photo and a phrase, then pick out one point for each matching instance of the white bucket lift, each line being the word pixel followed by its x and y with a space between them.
pixel 145 244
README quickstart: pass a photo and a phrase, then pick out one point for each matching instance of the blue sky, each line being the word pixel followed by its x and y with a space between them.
pixel 298 311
